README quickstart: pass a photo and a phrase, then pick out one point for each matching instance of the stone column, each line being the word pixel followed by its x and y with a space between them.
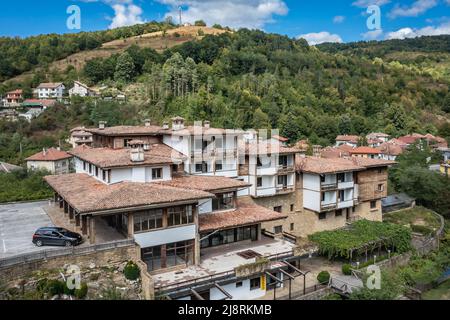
pixel 259 232
pixel 130 225
pixel 71 213
pixel 197 237
pixel 92 229
pixel 84 223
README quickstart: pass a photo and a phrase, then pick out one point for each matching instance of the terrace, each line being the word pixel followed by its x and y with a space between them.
pixel 220 262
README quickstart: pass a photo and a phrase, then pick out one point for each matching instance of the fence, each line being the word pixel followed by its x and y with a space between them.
pixel 70 251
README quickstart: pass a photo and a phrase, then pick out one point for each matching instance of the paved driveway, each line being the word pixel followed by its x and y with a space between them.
pixel 18 222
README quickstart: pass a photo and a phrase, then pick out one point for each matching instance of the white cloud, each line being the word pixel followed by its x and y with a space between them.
pixel 126 13
pixel 321 37
pixel 405 33
pixel 417 8
pixel 367 3
pixel 232 13
pixel 340 19
pixel 372 35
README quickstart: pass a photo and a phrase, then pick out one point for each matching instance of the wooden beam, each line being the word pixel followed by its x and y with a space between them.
pixel 195 293
pixel 221 289
pixel 287 274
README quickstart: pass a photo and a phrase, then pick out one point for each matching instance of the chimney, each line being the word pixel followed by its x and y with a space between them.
pixel 177 123
pixel 207 124
pixel 101 125
pixel 165 126
pixel 147 122
pixel 44 151
pixel 137 153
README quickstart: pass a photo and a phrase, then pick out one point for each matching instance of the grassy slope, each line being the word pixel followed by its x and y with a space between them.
pixel 417 216
pixel 153 40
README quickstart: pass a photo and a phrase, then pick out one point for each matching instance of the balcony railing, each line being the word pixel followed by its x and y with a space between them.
pixel 329 186
pixel 328 206
pixel 285 188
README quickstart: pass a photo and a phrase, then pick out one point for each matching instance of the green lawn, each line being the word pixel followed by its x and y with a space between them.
pixel 440 293
pixel 421 220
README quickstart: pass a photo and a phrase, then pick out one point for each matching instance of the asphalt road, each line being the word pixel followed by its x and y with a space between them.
pixel 18 222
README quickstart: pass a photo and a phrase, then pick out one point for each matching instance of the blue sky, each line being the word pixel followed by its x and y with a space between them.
pixel 315 20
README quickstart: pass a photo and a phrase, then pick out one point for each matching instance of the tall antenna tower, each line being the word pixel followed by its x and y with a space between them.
pixel 180 10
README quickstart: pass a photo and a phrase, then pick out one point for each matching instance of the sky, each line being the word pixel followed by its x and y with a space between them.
pixel 315 20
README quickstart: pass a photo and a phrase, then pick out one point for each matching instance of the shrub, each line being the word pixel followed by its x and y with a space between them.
pixel 112 293
pixel 332 296
pixel 131 271
pixel 55 287
pixel 82 292
pixel 324 277
pixel 347 269
pixel 42 285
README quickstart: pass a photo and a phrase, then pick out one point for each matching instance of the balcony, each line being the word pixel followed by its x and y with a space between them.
pixel 345 185
pixel 286 169
pixel 345 204
pixel 217 152
pixel 265 191
pixel 327 206
pixel 283 189
pixel 329 186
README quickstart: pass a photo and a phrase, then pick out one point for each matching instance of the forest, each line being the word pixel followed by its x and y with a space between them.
pixel 252 79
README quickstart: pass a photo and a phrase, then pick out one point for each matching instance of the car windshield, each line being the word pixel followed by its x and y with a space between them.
pixel 64 231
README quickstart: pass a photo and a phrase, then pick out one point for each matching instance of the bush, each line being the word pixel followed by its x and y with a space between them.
pixel 131 271
pixel 82 292
pixel 324 277
pixel 332 296
pixel 422 230
pixel 55 287
pixel 347 269
pixel 112 293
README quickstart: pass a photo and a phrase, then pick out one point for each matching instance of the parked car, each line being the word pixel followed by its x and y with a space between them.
pixel 54 236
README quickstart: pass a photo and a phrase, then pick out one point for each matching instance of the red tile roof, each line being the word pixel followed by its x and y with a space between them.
pixel 326 166
pixel 348 138
pixel 206 183
pixel 409 139
pixel 159 154
pixel 126 131
pixel 391 149
pixel 88 195
pixel 42 102
pixel 247 213
pixel 51 154
pixel 372 163
pixel 364 150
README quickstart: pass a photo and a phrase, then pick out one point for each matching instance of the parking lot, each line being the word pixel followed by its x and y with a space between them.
pixel 18 222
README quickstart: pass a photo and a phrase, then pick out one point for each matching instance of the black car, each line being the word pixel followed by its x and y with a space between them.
pixel 54 236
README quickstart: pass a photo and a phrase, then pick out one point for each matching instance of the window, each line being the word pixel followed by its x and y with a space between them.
pixel 292 227
pixel 239 284
pixel 278 209
pixel 283 161
pixel 229 236
pixel 157 174
pixel 373 204
pixel 179 253
pixel 201 167
pixel 278 229
pixel 338 213
pixel 283 181
pixel 223 202
pixel 90 168
pixel 198 144
pixel 259 182
pixel 323 196
pixel 219 166
pixel 148 220
pixel 322 216
pixel 381 187
pixel 126 142
pixel 180 215
pixel 380 171
pixel 96 171
pixel 341 195
pixel 292 208
pixel 341 177
pixel 322 179
pixel 255 283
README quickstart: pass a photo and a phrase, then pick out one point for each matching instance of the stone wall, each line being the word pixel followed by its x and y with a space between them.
pixel 368 181
pixel 364 211
pixel 99 258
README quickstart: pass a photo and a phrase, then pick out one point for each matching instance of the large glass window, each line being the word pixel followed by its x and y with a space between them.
pixel 223 202
pixel 230 236
pixel 283 181
pixel 156 173
pixel 179 215
pixel 283 161
pixel 148 220
pixel 179 253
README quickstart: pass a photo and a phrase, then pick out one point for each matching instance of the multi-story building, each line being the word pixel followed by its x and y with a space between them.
pixel 202 203
pixel 365 152
pixel 79 136
pixel 13 98
pixel 350 140
pixel 81 90
pixel 50 90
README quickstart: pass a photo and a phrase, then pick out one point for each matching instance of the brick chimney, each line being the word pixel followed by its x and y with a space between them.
pixel 137 151
pixel 165 125
pixel 207 124
pixel 102 125
pixel 147 122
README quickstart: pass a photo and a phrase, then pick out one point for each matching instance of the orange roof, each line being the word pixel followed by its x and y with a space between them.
pixel 345 148
pixel 348 138
pixel 158 154
pixel 247 213
pixel 326 166
pixel 391 149
pixel 87 194
pixel 364 150
pixel 51 154
pixel 206 183
pixel 280 138
pixel 372 163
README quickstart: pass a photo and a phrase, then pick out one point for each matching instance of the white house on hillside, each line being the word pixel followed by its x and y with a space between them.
pixel 50 90
pixel 82 90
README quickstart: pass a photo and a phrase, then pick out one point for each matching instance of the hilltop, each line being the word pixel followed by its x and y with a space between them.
pixel 158 40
